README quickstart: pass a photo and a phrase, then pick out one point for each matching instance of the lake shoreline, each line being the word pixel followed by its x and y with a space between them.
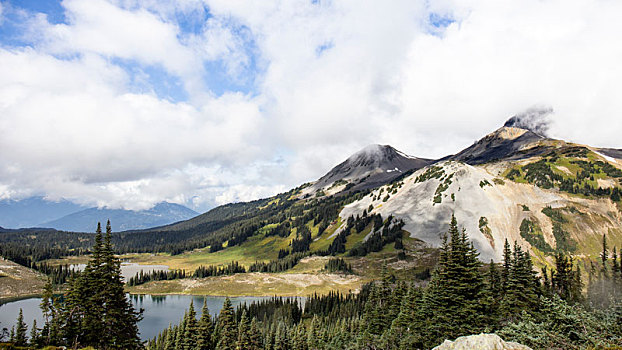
pixel 158 311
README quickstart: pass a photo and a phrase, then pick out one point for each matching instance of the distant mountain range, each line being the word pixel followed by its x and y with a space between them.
pixel 67 216
pixel 122 220
pixel 30 212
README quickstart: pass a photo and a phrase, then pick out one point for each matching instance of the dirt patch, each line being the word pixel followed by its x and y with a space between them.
pixel 564 169
pixel 256 284
pixel 606 183
pixel 17 281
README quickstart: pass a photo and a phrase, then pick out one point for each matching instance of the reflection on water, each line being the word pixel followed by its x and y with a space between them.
pixel 129 269
pixel 159 310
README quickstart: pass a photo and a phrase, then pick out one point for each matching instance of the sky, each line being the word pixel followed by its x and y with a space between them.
pixel 127 103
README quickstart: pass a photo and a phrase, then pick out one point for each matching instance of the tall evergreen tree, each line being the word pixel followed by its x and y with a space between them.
pixel 21 328
pixel 227 327
pixel 50 329
pixel 95 303
pixel 205 329
pixel 244 337
pixel 255 336
pixel 169 342
pixel 119 311
pixel 451 304
pixel 507 266
pixel 34 334
pixel 191 329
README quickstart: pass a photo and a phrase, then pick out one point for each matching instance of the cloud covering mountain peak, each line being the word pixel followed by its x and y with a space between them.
pixel 535 119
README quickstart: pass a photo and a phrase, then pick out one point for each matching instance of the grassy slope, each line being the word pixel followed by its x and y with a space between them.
pixel 307 277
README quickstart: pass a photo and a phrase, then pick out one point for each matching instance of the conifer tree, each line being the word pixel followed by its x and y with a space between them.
pixel 507 266
pixel 180 331
pixel 313 334
pixel 616 275
pixel 244 338
pixel 190 331
pixel 227 327
pixel 121 320
pixel 280 337
pixel 205 329
pixel 34 334
pixel 255 336
pixel 374 317
pixel 493 294
pixel 546 282
pixel 452 302
pixel 47 309
pixel 21 328
pixel 392 308
pixel 95 303
pixel 169 342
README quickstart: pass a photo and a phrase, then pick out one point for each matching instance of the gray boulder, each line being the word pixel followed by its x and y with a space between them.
pixel 480 342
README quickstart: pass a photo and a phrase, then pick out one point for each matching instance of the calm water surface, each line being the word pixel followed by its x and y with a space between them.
pixel 129 269
pixel 159 310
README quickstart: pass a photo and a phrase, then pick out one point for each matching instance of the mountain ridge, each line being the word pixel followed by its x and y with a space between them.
pixel 163 213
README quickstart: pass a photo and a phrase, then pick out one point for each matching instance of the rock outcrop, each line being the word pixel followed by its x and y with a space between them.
pixel 480 342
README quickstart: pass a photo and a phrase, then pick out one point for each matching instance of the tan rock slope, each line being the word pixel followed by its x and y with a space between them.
pixel 491 205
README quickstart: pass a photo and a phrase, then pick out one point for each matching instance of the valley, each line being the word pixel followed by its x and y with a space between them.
pixel 516 200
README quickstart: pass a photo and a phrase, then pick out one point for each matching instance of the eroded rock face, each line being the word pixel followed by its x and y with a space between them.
pixel 480 342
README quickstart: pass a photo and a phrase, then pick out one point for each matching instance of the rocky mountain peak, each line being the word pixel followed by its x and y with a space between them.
pixel 370 167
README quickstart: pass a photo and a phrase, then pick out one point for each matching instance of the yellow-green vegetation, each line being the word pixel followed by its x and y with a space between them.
pixel 255 248
pixel 337 183
pixel 356 238
pixel 442 187
pixel 532 233
pixel 574 170
pixel 485 230
pixel 433 172
pixel 323 241
pixel 563 241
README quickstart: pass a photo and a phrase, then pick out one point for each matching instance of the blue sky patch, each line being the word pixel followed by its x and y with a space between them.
pixel 152 79
pixel 324 47
pixel 440 21
pixel 53 9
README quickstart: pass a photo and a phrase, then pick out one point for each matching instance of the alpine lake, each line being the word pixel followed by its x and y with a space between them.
pixel 158 310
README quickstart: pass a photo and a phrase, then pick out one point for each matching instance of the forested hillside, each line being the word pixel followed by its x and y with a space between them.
pixel 463 297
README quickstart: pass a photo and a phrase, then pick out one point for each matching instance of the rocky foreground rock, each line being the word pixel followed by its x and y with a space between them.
pixel 480 342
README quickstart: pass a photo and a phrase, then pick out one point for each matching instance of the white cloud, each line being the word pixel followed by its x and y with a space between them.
pixel 69 123
pixel 334 77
